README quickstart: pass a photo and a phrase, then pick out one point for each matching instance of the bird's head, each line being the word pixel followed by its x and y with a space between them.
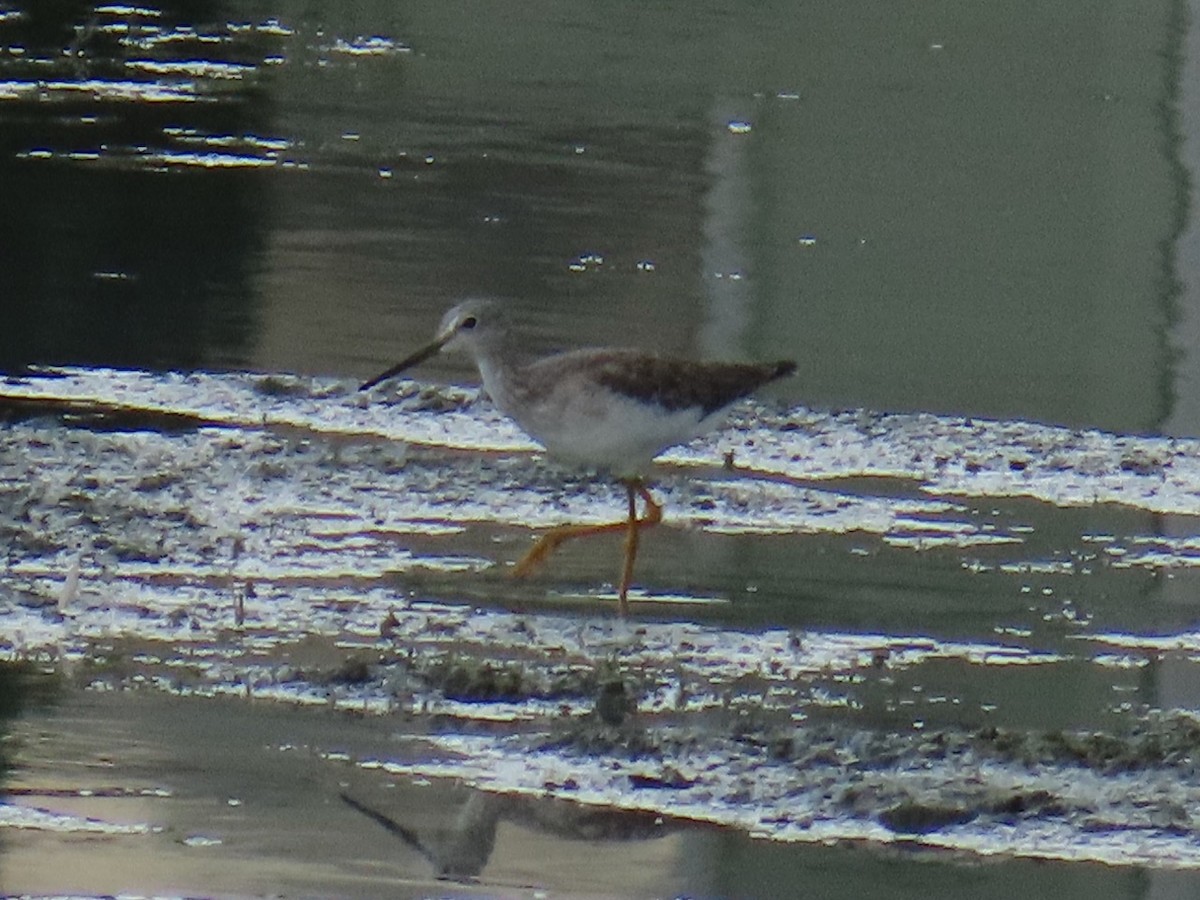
pixel 472 326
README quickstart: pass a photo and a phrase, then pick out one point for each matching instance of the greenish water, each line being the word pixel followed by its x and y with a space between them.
pixel 935 206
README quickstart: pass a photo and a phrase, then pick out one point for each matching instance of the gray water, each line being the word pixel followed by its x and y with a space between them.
pixel 971 516
pixel 931 207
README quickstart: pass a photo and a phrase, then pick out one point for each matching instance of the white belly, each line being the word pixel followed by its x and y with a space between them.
pixel 605 430
pixel 582 422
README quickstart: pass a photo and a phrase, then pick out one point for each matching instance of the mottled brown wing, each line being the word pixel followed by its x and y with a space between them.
pixel 676 384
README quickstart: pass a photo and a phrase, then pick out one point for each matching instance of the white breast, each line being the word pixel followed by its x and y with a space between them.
pixel 582 422
pixel 587 425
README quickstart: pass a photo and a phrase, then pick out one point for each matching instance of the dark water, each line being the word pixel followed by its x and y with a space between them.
pixel 932 207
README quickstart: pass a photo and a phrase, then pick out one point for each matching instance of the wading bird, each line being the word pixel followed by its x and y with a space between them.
pixel 610 409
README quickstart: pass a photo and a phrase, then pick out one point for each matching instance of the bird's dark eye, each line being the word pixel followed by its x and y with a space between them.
pixel 468 323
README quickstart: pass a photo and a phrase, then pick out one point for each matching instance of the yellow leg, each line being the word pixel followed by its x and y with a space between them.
pixel 550 541
pixel 633 531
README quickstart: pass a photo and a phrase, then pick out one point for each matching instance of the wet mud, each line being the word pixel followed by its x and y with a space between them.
pixel 933 645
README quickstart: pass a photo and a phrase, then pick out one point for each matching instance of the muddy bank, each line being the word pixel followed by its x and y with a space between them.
pixel 972 637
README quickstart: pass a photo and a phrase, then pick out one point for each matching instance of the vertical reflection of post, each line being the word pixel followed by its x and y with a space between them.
pixel 1184 417
pixel 1174 683
pixel 728 297
pixel 724 256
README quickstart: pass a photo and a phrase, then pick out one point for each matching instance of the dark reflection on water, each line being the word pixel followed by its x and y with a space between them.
pixel 11 701
pixel 21 687
pixel 112 254
pixel 181 300
pixel 463 851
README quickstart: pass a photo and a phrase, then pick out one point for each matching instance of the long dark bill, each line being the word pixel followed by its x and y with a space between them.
pixel 420 356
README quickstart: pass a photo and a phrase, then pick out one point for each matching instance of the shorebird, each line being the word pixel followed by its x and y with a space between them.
pixel 603 408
